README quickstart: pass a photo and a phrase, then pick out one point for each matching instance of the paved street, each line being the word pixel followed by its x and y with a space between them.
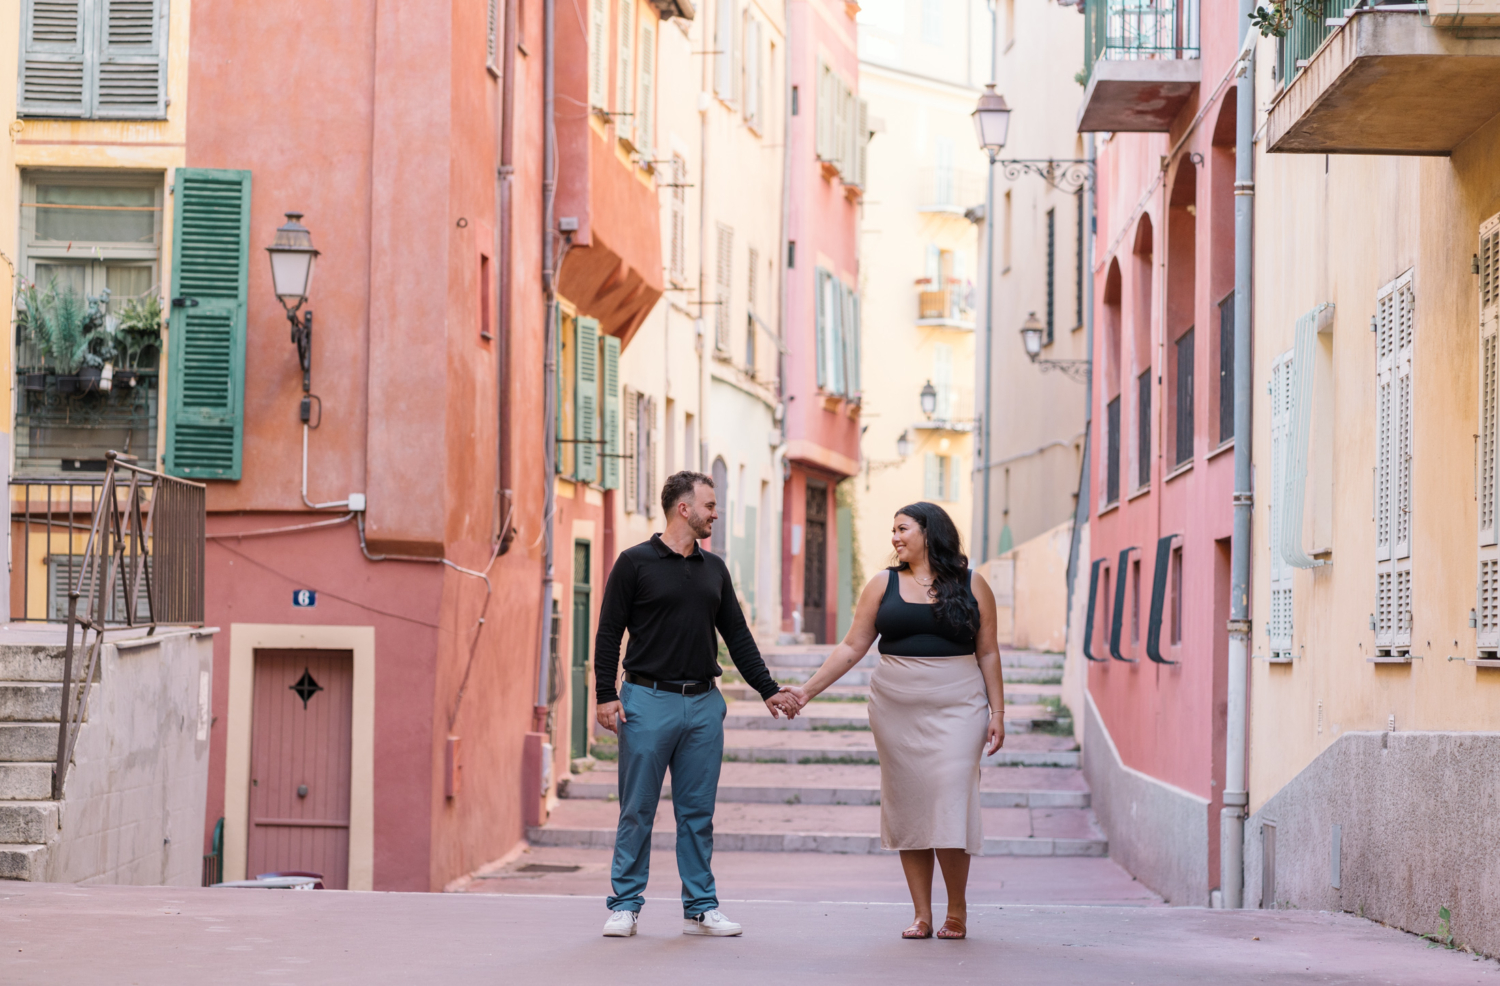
pixel 123 936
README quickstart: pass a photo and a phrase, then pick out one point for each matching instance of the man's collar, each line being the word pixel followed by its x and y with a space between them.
pixel 664 550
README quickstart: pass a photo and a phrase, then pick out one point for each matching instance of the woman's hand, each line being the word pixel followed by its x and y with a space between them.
pixel 996 738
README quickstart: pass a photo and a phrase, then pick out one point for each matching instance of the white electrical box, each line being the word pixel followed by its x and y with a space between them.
pixel 357 502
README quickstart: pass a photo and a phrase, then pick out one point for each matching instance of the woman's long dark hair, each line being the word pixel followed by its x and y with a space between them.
pixel 954 605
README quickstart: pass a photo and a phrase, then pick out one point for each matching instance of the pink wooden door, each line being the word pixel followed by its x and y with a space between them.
pixel 299 763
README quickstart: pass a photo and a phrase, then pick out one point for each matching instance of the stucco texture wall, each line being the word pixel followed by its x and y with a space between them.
pixel 1419 819
pixel 133 804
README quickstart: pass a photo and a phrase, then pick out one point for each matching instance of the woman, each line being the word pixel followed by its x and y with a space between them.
pixel 936 701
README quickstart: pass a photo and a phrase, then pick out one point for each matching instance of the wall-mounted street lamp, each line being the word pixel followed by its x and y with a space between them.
pixel 903 444
pixel 929 399
pixel 1031 337
pixel 292 256
pixel 991 121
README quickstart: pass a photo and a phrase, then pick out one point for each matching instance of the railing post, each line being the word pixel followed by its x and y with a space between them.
pixel 59 772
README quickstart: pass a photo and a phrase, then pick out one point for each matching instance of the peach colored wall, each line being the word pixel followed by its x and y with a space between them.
pixel 378 120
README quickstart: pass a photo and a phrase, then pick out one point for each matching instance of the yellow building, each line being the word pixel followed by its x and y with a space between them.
pixel 99 101
pixel 1375 693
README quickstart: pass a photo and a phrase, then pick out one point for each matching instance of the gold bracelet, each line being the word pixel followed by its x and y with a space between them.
pixel 1001 712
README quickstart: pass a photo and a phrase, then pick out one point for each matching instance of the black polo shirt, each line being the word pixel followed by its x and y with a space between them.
pixel 672 605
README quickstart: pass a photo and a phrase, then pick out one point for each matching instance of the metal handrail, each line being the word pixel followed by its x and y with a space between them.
pixel 1123 30
pixel 169 528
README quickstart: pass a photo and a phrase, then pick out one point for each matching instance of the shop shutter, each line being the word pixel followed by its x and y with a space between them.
pixel 632 484
pixel 1487 603
pixel 206 349
pixel 55 58
pixel 610 350
pixel 586 401
pixel 645 111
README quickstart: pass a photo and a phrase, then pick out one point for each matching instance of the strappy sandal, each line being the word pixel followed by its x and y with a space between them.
pixel 953 928
pixel 918 929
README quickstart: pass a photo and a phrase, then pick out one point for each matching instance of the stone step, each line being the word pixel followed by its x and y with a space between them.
pixel 36 662
pixel 28 821
pixel 32 701
pixel 813 746
pixel 1030 659
pixel 823 828
pixel 25 781
pixel 855 716
pixel 1021 676
pixel 838 784
pixel 28 741
pixel 23 862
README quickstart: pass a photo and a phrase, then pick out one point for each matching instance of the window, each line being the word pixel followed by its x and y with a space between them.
pixel 842 126
pixel 1051 276
pixel 751 281
pixel 598 54
pixel 80 265
pixel 837 335
pixel 932 22
pixel 1226 369
pixel 1183 409
pixel 1488 482
pixel 1143 430
pixel 752 72
pixel 624 74
pixel 1395 311
pixel 678 234
pixel 723 277
pixel 94 59
pixel 645 106
pixel 1112 453
pixel 1176 586
pixel 724 23
pixel 940 478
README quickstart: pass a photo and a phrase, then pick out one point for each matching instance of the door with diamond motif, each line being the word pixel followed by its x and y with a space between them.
pixel 299 764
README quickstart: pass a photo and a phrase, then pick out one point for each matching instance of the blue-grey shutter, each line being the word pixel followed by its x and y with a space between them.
pixel 586 400
pixel 132 60
pixel 206 347
pixel 56 58
pixel 821 322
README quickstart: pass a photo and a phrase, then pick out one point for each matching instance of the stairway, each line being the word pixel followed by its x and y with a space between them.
pixel 30 701
pixel 813 784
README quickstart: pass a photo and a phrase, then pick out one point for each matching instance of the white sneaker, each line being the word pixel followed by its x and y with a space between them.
pixel 711 923
pixel 621 924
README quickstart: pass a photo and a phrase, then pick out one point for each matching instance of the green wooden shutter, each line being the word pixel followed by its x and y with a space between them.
pixel 611 403
pixel 206 351
pixel 586 400
pixel 132 60
pixel 54 58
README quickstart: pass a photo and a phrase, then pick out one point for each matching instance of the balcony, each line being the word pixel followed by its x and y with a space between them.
pixel 950 306
pixel 1384 80
pixel 949 192
pixel 1141 64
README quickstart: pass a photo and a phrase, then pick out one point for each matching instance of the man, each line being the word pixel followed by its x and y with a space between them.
pixel 671 595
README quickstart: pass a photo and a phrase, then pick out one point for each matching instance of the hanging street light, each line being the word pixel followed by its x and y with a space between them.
pixel 292 255
pixel 991 121
pixel 903 444
pixel 929 399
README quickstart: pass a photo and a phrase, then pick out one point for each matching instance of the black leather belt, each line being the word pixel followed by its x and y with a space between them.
pixel 689 688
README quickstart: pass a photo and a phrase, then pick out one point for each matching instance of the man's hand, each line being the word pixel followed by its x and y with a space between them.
pixel 783 704
pixel 610 715
pixel 792 699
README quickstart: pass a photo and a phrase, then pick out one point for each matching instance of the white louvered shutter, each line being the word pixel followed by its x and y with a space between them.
pixel 1401 509
pixel 835 334
pixel 942 380
pixel 492 37
pixel 132 59
pixel 752 70
pixel 823 135
pixel 820 325
pixel 586 401
pixel 609 410
pixel 1385 367
pixel 632 464
pixel 724 50
pixel 932 479
pixel 598 50
pixel 1487 602
pixel 55 59
pixel 624 72
pixel 1279 627
pixel 648 426
pixel 1395 329
pixel 723 279
pixel 679 220
pixel 645 112
pixel 954 470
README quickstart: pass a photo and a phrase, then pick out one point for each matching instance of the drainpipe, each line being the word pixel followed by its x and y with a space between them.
pixel 1085 493
pixel 549 359
pixel 504 182
pixel 987 438
pixel 1232 817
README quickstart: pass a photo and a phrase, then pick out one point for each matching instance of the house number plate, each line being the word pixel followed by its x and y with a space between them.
pixel 304 597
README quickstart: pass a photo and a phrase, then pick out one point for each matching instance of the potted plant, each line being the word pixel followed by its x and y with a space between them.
pixel 137 332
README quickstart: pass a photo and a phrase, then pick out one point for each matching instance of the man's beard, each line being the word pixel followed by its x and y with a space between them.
pixel 703 529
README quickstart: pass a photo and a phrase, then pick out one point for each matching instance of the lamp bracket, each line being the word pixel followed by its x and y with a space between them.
pixel 302 339
pixel 1076 370
pixel 1063 174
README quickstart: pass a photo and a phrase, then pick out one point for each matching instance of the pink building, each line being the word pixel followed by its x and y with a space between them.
pixel 827 134
pixel 1162 436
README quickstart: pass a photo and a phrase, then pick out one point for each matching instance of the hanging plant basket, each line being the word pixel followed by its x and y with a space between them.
pixel 34 381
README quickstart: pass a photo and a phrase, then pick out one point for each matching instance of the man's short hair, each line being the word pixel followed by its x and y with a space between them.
pixel 680 485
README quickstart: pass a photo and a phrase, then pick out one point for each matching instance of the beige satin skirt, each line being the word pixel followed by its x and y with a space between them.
pixel 930 716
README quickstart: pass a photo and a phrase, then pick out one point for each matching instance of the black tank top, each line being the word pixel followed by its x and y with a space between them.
pixel 913 630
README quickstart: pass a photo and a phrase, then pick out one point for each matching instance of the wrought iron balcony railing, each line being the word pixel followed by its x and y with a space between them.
pixel 1122 30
